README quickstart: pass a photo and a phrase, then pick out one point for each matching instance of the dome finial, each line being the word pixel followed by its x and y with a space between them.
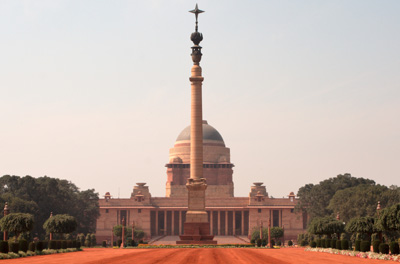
pixel 196 11
pixel 196 37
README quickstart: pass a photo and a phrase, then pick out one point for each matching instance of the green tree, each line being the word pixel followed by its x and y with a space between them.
pixel 43 195
pixel 325 226
pixel 276 232
pixel 389 218
pixel 357 201
pixel 255 233
pixel 17 223
pixel 362 225
pixel 60 224
pixel 314 199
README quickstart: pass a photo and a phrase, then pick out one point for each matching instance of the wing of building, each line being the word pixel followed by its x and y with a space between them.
pixel 227 214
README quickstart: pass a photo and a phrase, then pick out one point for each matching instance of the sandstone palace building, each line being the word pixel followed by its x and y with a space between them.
pixel 227 214
pixel 212 172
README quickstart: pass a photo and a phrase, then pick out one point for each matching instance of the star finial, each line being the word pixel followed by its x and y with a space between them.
pixel 196 11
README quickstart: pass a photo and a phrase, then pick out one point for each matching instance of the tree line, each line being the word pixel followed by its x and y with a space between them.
pixel 44 195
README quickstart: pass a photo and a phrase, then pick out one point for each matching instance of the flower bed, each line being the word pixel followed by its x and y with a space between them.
pixel 196 246
pixel 370 255
pixel 22 254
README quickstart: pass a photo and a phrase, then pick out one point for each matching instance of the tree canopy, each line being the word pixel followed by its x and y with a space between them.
pixel 17 223
pixel 276 232
pixel 61 223
pixel 325 226
pixel 389 218
pixel 363 225
pixel 138 232
pixel 314 199
pixel 43 195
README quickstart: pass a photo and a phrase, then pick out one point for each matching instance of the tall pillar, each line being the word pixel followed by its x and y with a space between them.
pixel 242 233
pixel 234 222
pixel 157 227
pixel 180 223
pixel 219 223
pixel 211 223
pixel 226 223
pixel 165 223
pixel 196 227
pixel 173 223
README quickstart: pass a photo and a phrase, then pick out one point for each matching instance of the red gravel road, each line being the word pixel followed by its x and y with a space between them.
pixel 193 255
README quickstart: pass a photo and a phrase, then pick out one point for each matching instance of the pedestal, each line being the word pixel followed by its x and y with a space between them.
pixel 196 229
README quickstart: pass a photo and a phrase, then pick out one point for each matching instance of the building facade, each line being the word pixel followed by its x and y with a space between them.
pixel 227 214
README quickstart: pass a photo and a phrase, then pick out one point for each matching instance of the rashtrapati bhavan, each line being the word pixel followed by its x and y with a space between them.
pixel 218 212
pixel 227 214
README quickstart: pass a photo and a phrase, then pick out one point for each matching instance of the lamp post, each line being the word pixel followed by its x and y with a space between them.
pixel 261 229
pixel 378 209
pixel 123 232
pixel 51 234
pixel 283 237
pixel 269 232
pixel 6 212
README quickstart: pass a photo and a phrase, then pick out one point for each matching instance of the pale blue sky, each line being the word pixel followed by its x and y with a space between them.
pixel 96 92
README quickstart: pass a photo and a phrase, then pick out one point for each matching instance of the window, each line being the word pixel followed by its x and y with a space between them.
pixel 259 211
pixel 292 210
pixel 139 211
pixel 106 211
pixel 275 218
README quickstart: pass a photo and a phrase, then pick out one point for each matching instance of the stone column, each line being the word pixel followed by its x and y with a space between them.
pixel 234 222
pixel 211 223
pixel 173 223
pixel 180 223
pixel 165 223
pixel 242 233
pixel 226 223
pixel 219 223
pixel 157 223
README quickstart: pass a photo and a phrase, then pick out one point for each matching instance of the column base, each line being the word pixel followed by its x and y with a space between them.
pixel 196 233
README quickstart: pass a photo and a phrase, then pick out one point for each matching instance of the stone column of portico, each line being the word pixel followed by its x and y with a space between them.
pixel 196 227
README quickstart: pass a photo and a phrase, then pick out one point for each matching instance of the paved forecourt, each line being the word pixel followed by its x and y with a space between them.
pixel 192 255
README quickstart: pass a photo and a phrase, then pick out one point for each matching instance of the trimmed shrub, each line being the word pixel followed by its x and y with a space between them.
pixel 252 241
pixel 384 248
pixel 119 242
pixel 318 243
pixel 365 246
pixel 259 242
pixel 104 243
pixel 3 247
pixel 32 246
pixel 290 243
pixel 128 242
pixel 338 244
pixel 39 246
pixel 328 243
pixel 23 245
pixel 394 248
pixel 64 244
pixel 114 244
pixel 313 244
pixel 279 243
pixel 303 243
pixel 14 247
pixel 263 242
pixel 272 243
pixel 74 243
pixel 58 244
pixel 357 244
pixel 93 241
pixel 78 244
pixel 45 244
pixel 52 244
pixel 323 242
pixel 375 246
pixel 333 243
pixel 344 244
pixel 70 244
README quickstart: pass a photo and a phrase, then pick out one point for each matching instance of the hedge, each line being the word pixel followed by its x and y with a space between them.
pixel 365 246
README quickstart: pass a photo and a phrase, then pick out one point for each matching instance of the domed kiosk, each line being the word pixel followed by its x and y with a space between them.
pixel 217 169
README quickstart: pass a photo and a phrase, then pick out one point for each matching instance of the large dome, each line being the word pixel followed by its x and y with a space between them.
pixel 210 134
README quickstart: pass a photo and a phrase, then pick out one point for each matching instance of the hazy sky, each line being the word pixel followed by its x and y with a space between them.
pixel 96 92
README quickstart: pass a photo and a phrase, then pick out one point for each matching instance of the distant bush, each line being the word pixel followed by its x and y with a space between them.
pixel 279 243
pixel 14 247
pixel 259 242
pixel 290 243
pixel 23 245
pixel 70 244
pixel 272 242
pixel 328 243
pixel 358 245
pixel 394 248
pixel 3 247
pixel 345 244
pixel 333 243
pixel 365 246
pixel 338 244
pixel 384 248
pixel 318 242
pixel 39 246
pixel 78 244
pixel 303 243
pixel 32 247
pixel 104 243
pixel 58 244
pixel 64 244
pixel 313 244
pixel 375 246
